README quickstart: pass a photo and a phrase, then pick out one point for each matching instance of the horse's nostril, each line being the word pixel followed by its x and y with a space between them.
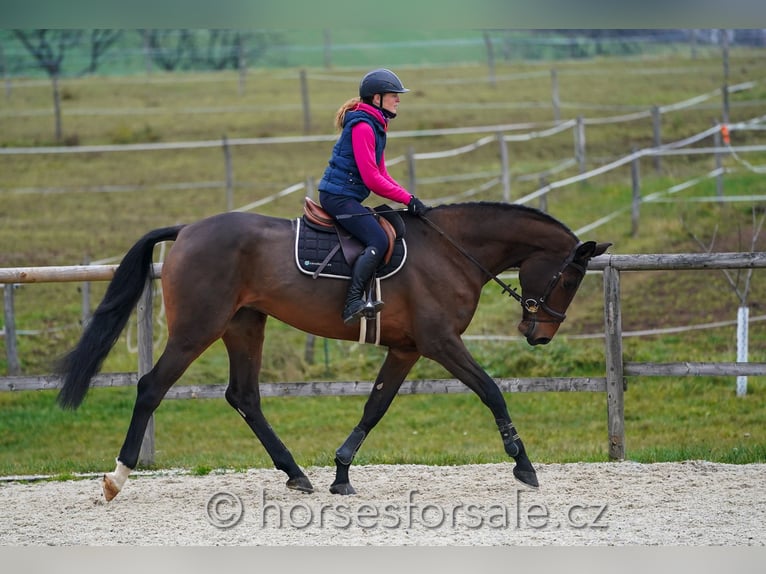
pixel 540 341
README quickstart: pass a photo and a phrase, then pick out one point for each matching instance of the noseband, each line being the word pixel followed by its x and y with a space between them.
pixel 530 304
pixel 534 305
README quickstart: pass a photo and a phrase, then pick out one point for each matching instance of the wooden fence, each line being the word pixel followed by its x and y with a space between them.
pixel 501 135
pixel 613 383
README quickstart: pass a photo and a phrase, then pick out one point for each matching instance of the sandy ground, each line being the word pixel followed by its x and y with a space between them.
pixel 579 504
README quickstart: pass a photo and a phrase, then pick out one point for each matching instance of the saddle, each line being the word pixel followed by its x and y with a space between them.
pixel 324 249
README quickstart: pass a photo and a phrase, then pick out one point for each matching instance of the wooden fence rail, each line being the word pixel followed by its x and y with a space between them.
pixel 614 383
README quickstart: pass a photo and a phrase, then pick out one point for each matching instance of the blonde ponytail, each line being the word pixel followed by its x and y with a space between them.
pixel 341 114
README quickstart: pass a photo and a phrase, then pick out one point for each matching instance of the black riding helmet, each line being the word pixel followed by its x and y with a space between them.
pixel 380 81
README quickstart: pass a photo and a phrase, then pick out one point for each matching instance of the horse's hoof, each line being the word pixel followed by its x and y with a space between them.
pixel 110 488
pixel 300 483
pixel 526 477
pixel 342 489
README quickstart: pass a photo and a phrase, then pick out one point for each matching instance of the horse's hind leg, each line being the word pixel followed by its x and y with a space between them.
pixel 151 389
pixel 244 343
pixel 389 379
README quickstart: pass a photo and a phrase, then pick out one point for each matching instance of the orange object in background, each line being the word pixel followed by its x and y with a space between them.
pixel 725 134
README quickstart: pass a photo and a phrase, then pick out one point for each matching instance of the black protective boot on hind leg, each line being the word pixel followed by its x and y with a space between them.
pixel 364 269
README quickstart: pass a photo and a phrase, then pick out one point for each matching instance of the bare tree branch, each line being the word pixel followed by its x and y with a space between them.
pixel 742 294
pixel 49 47
pixel 100 43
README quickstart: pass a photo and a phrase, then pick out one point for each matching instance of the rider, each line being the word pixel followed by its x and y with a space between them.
pixel 357 167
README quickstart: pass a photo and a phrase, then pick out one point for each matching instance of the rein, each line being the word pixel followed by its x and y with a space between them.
pixel 506 288
pixel 530 304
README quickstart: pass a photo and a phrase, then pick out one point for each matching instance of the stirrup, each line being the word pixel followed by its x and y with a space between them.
pixel 372 308
pixel 349 317
pixel 368 309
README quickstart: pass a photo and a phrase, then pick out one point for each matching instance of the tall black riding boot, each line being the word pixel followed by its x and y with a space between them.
pixel 362 273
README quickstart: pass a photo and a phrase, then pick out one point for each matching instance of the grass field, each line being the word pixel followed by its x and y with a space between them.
pixel 54 211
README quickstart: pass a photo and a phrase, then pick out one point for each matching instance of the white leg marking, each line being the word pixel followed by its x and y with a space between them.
pixel 114 481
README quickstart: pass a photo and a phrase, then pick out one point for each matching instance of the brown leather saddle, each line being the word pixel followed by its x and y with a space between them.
pixel 323 248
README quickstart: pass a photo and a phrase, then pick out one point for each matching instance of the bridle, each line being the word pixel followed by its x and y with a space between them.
pixel 534 305
pixel 530 304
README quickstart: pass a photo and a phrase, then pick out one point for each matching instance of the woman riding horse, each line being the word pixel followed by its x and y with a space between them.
pixel 356 167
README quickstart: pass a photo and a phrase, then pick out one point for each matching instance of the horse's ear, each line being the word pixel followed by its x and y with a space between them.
pixel 590 249
pixel 601 248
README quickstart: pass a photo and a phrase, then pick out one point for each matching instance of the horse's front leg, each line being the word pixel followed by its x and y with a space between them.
pixel 389 380
pixel 453 355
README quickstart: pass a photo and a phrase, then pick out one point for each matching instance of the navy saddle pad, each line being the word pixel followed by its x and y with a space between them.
pixel 314 244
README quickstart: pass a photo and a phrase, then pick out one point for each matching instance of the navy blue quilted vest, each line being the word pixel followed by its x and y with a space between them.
pixel 342 175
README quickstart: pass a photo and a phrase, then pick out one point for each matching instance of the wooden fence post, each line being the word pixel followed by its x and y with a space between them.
pixel 411 169
pixel 544 197
pixel 145 361
pixel 490 58
pixel 85 314
pixel 241 62
pixel 310 187
pixel 718 165
pixel 635 209
pixel 14 367
pixel 555 95
pixel 725 60
pixel 308 351
pixel 615 380
pixel 657 135
pixel 505 175
pixel 306 106
pixel 579 137
pixel 229 174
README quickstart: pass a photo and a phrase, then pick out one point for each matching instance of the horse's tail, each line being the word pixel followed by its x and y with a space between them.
pixel 79 366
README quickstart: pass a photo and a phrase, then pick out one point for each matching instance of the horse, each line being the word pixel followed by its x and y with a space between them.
pixel 224 275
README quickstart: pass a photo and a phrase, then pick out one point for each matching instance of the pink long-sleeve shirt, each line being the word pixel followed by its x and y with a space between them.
pixel 375 177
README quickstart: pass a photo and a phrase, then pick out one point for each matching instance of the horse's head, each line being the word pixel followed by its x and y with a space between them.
pixel 548 287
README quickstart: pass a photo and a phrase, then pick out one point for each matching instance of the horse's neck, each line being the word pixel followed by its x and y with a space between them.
pixel 504 238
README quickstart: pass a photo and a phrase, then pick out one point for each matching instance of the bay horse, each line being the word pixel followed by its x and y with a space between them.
pixel 226 274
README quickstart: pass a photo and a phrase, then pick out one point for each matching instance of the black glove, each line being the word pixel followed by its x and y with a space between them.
pixel 416 207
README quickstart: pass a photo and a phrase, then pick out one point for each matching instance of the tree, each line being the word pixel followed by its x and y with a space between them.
pixel 49 48
pixel 211 49
pixel 100 42
pixel 741 290
pixel 168 48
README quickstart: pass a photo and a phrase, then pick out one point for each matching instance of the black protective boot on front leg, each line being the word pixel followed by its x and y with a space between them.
pixel 524 472
pixel 364 269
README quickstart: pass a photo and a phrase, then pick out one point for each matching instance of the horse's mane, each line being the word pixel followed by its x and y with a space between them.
pixel 494 206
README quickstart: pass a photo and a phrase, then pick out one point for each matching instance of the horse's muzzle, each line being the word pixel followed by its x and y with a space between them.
pixel 532 331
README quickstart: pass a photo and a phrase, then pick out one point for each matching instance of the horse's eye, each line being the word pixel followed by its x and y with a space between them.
pixel 570 284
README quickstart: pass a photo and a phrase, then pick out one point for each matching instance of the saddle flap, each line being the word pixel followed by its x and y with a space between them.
pixel 392 216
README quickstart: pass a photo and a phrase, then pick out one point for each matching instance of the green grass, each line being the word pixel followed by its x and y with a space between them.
pixel 666 419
